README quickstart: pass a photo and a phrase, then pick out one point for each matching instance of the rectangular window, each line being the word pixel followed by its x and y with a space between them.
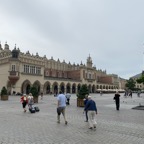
pixel 32 69
pixel 26 68
pixel 89 76
pixel 38 70
pixel 13 68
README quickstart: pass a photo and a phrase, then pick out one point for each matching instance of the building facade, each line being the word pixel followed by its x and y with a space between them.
pixel 138 85
pixel 19 71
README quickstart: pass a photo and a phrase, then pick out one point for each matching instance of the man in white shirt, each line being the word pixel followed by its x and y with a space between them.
pixel 61 106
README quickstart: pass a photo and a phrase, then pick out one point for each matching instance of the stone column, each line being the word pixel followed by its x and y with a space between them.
pixel 70 89
pixel 41 89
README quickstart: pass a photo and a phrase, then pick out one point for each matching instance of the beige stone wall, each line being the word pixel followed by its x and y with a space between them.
pixel 4 73
pixel 59 72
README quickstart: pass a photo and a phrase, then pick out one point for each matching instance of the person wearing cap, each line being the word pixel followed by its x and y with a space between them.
pixel 92 111
pixel 117 100
pixel 24 101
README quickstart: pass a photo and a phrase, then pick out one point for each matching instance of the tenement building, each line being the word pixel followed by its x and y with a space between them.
pixel 138 85
pixel 19 71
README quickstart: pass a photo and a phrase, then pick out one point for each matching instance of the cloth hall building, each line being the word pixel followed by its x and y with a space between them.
pixel 19 71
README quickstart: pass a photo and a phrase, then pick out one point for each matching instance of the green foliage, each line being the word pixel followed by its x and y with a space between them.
pixel 83 92
pixel 130 84
pixel 4 91
pixel 34 91
pixel 141 79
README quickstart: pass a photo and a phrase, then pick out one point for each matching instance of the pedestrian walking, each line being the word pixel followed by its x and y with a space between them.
pixel 41 95
pixel 138 93
pixel 24 101
pixel 130 94
pixel 117 100
pixel 68 98
pixel 30 100
pixel 92 111
pixel 86 112
pixel 101 93
pixel 61 107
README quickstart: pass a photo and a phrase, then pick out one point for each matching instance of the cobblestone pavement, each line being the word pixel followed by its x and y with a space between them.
pixel 113 127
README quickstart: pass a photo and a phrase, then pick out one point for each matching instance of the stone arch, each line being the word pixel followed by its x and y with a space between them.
pixel 62 87
pixel 100 86
pixel 25 88
pixel 47 87
pixel 103 86
pixel 78 87
pixel 89 88
pixel 37 84
pixel 68 88
pixel 73 88
pixel 93 89
pixel 55 88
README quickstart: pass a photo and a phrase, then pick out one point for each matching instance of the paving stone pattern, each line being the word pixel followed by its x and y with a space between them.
pixel 113 127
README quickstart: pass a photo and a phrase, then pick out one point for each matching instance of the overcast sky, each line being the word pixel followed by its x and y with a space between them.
pixel 111 31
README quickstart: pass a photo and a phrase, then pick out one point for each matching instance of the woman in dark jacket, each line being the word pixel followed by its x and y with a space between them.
pixel 117 100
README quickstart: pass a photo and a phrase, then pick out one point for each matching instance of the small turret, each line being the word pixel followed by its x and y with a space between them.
pixel 6 47
pixel 0 46
pixel 89 62
pixel 15 52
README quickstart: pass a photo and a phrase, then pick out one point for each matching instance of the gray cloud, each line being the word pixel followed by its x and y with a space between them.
pixel 110 31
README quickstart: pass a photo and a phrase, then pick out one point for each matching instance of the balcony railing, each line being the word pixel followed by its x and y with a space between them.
pixel 14 73
pixel 13 76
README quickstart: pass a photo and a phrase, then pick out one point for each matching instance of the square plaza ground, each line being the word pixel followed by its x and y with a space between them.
pixel 113 127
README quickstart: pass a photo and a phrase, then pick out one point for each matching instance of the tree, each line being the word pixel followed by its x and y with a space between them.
pixel 83 92
pixel 34 91
pixel 4 94
pixel 4 91
pixel 130 84
pixel 141 79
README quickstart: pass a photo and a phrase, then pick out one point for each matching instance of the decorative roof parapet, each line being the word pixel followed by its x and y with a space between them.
pixel 6 47
pixel 0 46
